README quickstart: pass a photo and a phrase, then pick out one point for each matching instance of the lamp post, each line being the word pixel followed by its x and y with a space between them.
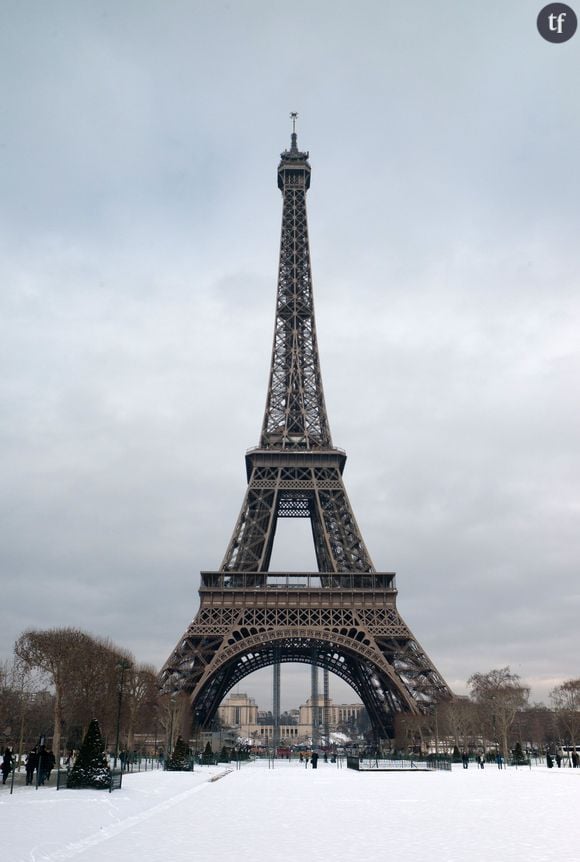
pixel 122 665
pixel 169 752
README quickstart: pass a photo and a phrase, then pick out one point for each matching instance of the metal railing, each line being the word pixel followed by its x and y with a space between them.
pixel 379 581
pixel 114 782
pixel 393 764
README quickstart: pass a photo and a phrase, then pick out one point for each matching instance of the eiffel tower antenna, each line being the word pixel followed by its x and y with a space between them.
pixel 342 617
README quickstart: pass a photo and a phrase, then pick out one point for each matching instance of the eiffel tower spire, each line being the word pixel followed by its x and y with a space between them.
pixel 343 617
pixel 295 415
pixel 296 472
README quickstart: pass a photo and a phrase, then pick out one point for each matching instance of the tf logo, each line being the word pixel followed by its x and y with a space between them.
pixel 557 22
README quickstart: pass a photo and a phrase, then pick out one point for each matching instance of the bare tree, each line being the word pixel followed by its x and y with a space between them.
pixel 414 733
pixel 174 718
pixel 499 695
pixel 94 687
pixel 9 702
pixel 83 672
pixel 20 699
pixel 141 692
pixel 538 726
pixel 56 652
pixel 566 700
pixel 457 719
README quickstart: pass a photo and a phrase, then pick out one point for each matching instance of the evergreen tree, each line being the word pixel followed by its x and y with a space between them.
pixel 207 754
pixel 518 755
pixel 179 760
pixel 224 755
pixel 91 767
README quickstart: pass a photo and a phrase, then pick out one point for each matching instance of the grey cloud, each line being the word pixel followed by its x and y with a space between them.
pixel 140 223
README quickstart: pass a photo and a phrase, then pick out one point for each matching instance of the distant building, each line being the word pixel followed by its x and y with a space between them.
pixel 339 714
pixel 238 710
pixel 241 713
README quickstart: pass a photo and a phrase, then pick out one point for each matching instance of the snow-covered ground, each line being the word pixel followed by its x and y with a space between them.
pixel 327 815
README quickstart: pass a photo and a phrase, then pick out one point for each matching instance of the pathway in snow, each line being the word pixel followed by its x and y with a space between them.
pixel 332 815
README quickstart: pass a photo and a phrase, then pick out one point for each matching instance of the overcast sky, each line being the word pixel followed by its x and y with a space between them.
pixel 139 232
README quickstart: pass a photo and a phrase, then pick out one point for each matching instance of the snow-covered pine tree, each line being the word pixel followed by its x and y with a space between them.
pixel 91 767
pixel 208 756
pixel 224 755
pixel 179 760
pixel 519 757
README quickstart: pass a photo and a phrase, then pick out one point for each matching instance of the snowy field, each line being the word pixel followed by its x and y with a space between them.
pixel 330 815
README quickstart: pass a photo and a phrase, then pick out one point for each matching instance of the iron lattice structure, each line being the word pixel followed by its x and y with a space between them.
pixel 344 616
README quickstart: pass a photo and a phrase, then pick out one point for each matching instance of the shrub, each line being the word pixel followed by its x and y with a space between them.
pixel 179 760
pixel 91 767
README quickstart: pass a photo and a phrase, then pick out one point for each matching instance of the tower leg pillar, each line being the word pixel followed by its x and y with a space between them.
pixel 276 706
pixel 314 703
pixel 326 717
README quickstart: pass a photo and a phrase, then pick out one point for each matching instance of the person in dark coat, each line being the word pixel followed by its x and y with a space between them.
pixel 314 759
pixel 49 764
pixel 31 764
pixel 42 765
pixel 6 764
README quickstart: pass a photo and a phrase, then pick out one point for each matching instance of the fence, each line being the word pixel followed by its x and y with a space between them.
pixel 114 783
pixel 398 764
pixel 136 763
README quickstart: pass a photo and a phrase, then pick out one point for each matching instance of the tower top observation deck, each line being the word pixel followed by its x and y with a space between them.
pixel 294 168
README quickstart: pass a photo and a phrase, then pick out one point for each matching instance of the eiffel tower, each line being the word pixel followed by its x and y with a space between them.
pixel 342 618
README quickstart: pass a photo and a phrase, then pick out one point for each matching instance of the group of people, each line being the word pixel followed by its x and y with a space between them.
pixel 41 761
pixel 559 757
pixel 313 758
pixel 499 759
pixel 480 760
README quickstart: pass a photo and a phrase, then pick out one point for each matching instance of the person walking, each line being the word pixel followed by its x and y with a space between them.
pixel 314 759
pixel 6 764
pixel 43 766
pixel 31 764
pixel 50 763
